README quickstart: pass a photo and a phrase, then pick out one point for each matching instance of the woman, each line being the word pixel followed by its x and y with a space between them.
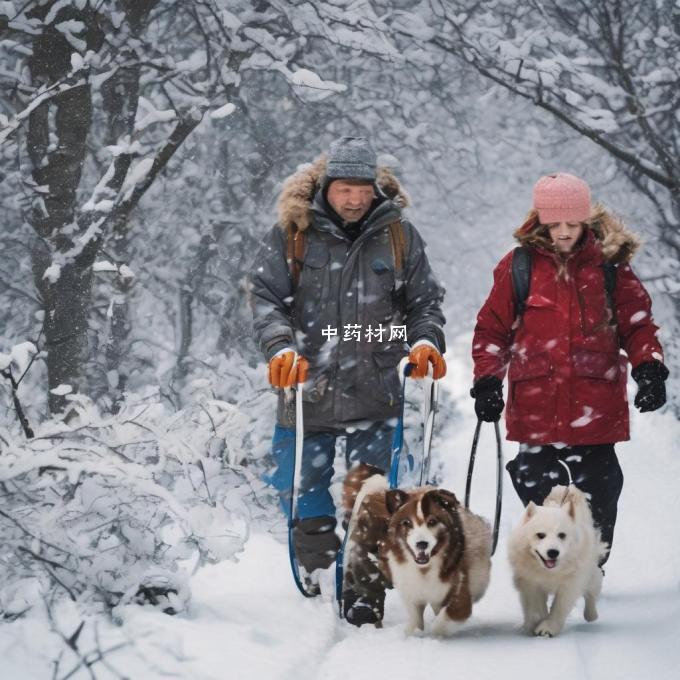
pixel 558 330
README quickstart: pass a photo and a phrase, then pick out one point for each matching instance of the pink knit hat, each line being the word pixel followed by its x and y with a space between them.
pixel 561 198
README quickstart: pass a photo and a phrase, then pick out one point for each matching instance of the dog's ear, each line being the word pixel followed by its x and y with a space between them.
pixel 394 499
pixel 443 498
pixel 572 507
pixel 530 511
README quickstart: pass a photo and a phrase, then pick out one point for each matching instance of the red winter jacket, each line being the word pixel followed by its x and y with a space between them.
pixel 567 378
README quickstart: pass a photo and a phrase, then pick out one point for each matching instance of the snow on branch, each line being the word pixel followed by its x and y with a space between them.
pixel 69 83
pixel 574 62
pixel 103 509
pixel 106 205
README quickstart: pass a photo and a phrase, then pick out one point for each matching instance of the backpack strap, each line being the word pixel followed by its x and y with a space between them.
pixel 398 241
pixel 521 277
pixel 609 270
pixel 295 252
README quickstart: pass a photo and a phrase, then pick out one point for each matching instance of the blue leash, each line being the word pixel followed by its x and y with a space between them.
pixel 398 437
pixel 393 478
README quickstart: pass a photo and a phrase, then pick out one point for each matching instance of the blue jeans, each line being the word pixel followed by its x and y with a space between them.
pixel 373 446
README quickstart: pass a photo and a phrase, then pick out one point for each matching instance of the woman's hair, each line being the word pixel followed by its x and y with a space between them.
pixel 618 243
pixel 533 233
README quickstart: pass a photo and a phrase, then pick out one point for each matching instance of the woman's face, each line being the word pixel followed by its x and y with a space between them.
pixel 565 235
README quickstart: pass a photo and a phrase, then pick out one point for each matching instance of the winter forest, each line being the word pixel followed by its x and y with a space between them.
pixel 143 145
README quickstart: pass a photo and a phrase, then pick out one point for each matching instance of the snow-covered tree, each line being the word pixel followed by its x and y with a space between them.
pixel 608 70
pixel 101 96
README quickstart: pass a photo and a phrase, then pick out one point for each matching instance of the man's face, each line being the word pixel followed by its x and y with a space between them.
pixel 350 198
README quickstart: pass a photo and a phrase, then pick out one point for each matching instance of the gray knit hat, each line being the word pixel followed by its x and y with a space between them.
pixel 351 158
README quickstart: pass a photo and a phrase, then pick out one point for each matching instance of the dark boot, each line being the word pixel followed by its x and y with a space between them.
pixel 360 609
pixel 316 543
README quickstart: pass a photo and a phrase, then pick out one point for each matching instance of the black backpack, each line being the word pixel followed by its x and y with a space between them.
pixel 521 279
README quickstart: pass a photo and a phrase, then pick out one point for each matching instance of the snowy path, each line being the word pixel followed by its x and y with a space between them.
pixel 247 620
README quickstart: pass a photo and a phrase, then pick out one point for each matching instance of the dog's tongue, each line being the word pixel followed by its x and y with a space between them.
pixel 550 563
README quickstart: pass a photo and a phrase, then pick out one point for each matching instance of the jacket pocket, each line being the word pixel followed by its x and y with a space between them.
pixel 539 311
pixel 596 365
pixel 598 400
pixel 312 292
pixel 386 365
pixel 314 267
pixel 536 301
pixel 532 398
pixel 526 368
pixel 596 315
pixel 317 256
pixel 379 291
pixel 384 273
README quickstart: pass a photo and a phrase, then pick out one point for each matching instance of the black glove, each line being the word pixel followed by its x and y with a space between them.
pixel 651 393
pixel 488 396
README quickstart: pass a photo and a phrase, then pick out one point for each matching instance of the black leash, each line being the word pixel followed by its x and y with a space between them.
pixel 499 478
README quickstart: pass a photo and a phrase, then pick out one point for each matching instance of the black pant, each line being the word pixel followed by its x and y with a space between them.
pixel 594 469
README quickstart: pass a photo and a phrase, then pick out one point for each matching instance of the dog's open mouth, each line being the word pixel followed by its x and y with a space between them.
pixel 549 564
pixel 422 557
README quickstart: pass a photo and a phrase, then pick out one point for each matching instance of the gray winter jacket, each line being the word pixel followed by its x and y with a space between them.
pixel 342 285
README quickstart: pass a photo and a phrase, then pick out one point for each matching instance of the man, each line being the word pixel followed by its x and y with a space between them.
pixel 342 290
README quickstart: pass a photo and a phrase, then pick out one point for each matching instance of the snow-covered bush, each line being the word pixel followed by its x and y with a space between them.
pixel 114 509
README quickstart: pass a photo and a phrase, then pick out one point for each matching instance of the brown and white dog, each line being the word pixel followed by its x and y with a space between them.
pixel 430 548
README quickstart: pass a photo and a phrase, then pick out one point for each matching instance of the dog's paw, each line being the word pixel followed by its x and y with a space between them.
pixel 590 613
pixel 443 627
pixel 440 629
pixel 547 628
pixel 413 630
pixel 529 627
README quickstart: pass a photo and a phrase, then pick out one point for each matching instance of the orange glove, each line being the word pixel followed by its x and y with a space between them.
pixel 287 369
pixel 420 356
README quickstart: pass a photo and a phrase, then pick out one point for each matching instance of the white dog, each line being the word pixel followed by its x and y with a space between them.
pixel 556 550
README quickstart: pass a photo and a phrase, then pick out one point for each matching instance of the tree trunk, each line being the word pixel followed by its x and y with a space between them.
pixel 57 135
pixel 187 294
pixel 120 96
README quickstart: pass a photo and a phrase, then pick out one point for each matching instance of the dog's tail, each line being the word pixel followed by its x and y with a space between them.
pixel 573 497
pixel 355 485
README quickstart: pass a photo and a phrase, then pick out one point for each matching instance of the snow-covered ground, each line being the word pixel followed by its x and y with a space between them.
pixel 247 620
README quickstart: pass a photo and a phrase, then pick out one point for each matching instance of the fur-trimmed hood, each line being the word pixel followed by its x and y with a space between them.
pixel 618 243
pixel 297 194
